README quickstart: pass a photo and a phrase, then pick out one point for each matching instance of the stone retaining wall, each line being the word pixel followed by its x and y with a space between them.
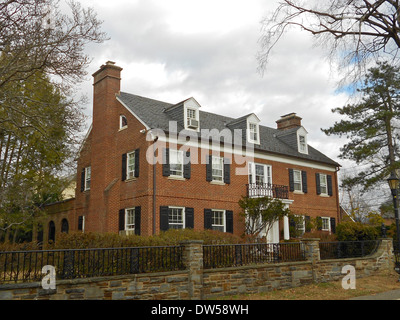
pixel 199 283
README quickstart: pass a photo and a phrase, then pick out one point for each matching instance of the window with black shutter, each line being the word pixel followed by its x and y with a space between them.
pixel 187 166
pixel 189 218
pixel 304 181
pixel 165 164
pixel 229 221
pixel 164 225
pixel 291 180
pixel 209 168
pixel 227 170
pixel 207 219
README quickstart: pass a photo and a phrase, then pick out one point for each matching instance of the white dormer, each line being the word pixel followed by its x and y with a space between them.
pixel 191 114
pixel 302 145
pixel 253 129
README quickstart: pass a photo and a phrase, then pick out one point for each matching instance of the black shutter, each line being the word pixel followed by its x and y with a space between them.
pixel 304 181
pixel 207 219
pixel 307 223
pixel 186 166
pixel 329 182
pixel 121 220
pixel 137 154
pixel 164 226
pixel 165 166
pixel 227 170
pixel 83 180
pixel 317 182
pixel 80 223
pixel 291 180
pixel 123 169
pixel 229 221
pixel 319 223
pixel 189 218
pixel 333 225
pixel 138 216
pixel 209 168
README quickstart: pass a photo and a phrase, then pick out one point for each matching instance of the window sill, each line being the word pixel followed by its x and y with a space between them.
pixel 298 192
pixel 324 195
pixel 219 183
pixel 123 128
pixel 130 179
pixel 176 178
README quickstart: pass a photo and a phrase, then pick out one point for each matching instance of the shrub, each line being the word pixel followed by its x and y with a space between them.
pixel 79 240
pixel 355 231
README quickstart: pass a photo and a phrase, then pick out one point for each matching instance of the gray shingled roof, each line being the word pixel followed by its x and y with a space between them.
pixel 152 112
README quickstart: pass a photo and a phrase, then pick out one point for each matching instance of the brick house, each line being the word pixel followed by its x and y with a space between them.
pixel 203 164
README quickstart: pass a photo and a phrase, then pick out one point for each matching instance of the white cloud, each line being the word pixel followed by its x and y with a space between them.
pixel 174 49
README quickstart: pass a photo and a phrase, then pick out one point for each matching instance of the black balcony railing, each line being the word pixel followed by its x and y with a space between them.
pixel 267 190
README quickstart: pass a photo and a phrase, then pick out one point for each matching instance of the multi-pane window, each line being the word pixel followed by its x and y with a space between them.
pixel 130 219
pixel 297 183
pixel 191 114
pixel 253 132
pixel 88 175
pixel 302 144
pixel 176 162
pixel 130 165
pixel 218 221
pixel 326 223
pixel 217 169
pixel 175 218
pixel 259 174
pixel 323 183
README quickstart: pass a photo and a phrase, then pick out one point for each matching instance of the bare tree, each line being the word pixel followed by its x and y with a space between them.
pixel 354 32
pixel 37 35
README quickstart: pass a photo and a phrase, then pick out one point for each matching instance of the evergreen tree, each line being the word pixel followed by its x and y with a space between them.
pixel 371 125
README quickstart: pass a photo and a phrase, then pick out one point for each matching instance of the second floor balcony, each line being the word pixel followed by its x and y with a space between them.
pixel 267 189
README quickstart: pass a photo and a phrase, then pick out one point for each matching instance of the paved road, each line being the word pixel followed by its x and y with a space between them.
pixel 389 295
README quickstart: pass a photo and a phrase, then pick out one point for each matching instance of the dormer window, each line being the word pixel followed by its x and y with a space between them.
pixel 191 119
pixel 253 129
pixel 191 114
pixel 302 140
pixel 123 122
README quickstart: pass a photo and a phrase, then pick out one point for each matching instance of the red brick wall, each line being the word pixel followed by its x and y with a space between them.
pixel 103 151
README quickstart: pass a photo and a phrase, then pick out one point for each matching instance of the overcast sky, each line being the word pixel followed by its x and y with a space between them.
pixel 171 50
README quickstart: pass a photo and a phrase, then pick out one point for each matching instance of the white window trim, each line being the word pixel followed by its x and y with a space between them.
pixel 302 133
pixel 121 127
pixel 329 223
pixel 325 185
pixel 130 174
pixel 183 217
pixel 249 134
pixel 252 170
pixel 181 155
pixel 192 105
pixel 294 181
pixel 301 226
pixel 88 170
pixel 223 217
pixel 126 219
pixel 221 159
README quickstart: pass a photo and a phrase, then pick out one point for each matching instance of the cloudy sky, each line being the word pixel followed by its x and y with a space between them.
pixel 171 50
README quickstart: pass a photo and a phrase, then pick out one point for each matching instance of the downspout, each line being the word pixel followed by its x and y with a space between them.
pixel 337 193
pixel 154 185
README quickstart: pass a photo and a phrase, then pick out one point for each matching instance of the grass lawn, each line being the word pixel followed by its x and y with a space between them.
pixel 328 290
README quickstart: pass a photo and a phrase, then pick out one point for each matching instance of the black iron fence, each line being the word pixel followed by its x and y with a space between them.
pixel 267 189
pixel 26 266
pixel 231 255
pixel 347 249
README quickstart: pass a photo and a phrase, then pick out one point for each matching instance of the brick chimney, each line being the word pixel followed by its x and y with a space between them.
pixel 288 121
pixel 105 157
